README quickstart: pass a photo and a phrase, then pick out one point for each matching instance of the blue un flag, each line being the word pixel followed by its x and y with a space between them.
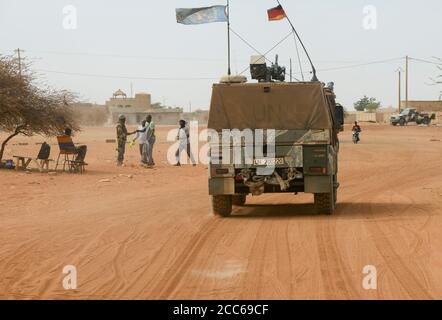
pixel 201 15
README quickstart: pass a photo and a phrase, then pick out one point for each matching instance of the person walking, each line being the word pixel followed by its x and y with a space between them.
pixel 184 143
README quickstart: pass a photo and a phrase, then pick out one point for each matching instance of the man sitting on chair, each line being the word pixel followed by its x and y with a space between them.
pixel 80 150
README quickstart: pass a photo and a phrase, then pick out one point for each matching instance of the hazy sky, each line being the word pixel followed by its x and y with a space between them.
pixel 139 41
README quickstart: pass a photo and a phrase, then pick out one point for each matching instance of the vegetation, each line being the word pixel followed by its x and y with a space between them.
pixel 28 109
pixel 367 104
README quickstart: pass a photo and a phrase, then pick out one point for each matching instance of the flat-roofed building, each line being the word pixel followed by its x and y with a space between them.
pixel 138 107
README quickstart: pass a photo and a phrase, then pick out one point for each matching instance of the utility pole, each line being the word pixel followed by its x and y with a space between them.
pixel 18 51
pixel 406 80
pixel 399 71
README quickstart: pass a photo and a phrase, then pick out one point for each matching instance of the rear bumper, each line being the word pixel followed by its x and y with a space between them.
pixel 309 184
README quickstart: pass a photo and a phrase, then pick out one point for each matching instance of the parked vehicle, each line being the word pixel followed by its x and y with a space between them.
pixel 412 115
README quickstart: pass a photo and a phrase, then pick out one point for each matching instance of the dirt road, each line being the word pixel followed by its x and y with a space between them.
pixel 149 234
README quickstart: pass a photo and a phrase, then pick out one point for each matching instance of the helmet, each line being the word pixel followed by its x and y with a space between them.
pixel 121 117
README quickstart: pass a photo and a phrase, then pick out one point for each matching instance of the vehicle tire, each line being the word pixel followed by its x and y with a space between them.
pixel 402 122
pixel 222 205
pixel 325 203
pixel 335 189
pixel 239 199
pixel 394 124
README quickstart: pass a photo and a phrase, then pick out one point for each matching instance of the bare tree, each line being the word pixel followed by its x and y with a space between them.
pixel 28 109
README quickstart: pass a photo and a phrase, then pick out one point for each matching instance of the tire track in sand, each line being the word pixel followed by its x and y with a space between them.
pixel 164 286
pixel 334 272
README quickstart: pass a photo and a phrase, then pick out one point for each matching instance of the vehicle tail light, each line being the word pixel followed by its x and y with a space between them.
pixel 220 172
pixel 318 170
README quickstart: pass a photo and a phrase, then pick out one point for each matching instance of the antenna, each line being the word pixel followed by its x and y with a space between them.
pixel 315 78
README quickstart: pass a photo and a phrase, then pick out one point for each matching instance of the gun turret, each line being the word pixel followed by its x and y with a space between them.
pixel 259 70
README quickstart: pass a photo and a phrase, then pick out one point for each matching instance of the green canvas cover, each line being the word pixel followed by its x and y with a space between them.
pixel 279 106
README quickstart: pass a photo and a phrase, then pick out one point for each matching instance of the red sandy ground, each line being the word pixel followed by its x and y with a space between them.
pixel 149 233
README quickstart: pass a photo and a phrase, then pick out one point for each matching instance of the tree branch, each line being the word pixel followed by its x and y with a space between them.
pixel 4 143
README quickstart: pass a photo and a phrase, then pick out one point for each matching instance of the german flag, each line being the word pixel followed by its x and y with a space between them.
pixel 276 13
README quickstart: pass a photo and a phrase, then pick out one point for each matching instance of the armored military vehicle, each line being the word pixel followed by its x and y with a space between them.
pixel 412 115
pixel 302 121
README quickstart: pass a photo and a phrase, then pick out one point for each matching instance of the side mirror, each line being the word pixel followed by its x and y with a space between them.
pixel 339 116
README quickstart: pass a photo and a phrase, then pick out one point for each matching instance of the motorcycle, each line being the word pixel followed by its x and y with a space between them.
pixel 356 138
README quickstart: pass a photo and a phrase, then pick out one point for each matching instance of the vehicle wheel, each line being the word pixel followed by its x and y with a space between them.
pixel 402 122
pixel 335 189
pixel 394 124
pixel 325 203
pixel 239 200
pixel 222 205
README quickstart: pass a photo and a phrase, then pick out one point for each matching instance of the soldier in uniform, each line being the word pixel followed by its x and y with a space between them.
pixel 122 138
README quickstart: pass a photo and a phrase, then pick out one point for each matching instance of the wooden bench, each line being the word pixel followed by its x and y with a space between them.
pixel 24 162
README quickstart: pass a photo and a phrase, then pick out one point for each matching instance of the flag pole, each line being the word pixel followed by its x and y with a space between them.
pixel 228 38
pixel 315 78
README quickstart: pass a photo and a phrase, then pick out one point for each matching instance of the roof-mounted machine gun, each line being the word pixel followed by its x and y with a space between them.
pixel 262 73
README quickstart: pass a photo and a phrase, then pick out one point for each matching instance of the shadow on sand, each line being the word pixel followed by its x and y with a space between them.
pixel 345 210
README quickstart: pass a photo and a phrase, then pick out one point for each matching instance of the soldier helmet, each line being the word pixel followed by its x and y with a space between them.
pixel 121 117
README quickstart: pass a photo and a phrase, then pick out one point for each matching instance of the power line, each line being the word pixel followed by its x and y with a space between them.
pixel 113 55
pixel 426 61
pixel 171 58
pixel 198 78
pixel 121 77
pixel 361 64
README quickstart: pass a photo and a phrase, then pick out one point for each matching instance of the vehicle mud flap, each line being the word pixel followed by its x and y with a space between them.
pixel 222 205
pixel 325 203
